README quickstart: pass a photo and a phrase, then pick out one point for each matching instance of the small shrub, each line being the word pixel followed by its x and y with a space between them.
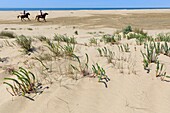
pixel 64 38
pixel 140 39
pixel 140 31
pixel 13 29
pixel 108 39
pixel 7 34
pixel 93 41
pixel 163 37
pixel 25 43
pixel 30 29
pixel 127 29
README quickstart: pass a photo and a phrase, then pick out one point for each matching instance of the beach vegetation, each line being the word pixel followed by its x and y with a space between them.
pixel 7 34
pixel 82 65
pixel 25 42
pixel 150 56
pixel 124 48
pixel 127 29
pixel 163 37
pixel 100 73
pixel 93 41
pixel 165 49
pixel 23 83
pixel 109 39
pixel 64 38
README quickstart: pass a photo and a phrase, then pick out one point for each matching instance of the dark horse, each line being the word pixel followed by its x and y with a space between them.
pixel 41 16
pixel 24 16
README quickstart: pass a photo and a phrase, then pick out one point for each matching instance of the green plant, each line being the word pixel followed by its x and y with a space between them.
pixel 82 65
pixel 25 83
pixel 55 48
pixel 165 49
pixel 100 73
pixel 108 39
pixel 7 34
pixel 100 51
pixel 13 28
pixel 140 38
pixel 150 56
pixel 93 41
pixel 106 53
pixel 124 48
pixel 163 37
pixel 140 31
pixel 42 38
pixel 105 50
pixel 25 43
pixel 68 49
pixel 38 59
pixel 159 70
pixel 64 38
pixel 127 29
pixel 157 47
pixel 30 29
pixel 110 56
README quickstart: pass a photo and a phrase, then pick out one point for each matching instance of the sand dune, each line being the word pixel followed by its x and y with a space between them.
pixel 134 91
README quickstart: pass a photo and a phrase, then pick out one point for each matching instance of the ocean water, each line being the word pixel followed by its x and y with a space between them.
pixel 35 9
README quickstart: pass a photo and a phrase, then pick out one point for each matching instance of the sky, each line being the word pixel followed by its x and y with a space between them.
pixel 82 3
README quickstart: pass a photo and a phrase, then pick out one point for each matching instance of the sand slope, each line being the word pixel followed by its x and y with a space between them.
pixel 126 93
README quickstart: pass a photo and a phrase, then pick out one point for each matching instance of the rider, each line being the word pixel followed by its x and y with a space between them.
pixel 24 12
pixel 41 12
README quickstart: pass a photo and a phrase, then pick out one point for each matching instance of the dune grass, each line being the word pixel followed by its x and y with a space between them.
pixel 24 83
pixel 64 38
pixel 25 42
pixel 7 34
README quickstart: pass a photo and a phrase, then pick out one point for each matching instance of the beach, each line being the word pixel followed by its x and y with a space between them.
pixel 65 89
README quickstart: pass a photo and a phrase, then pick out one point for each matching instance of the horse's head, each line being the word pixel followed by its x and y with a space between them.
pixel 27 14
pixel 45 13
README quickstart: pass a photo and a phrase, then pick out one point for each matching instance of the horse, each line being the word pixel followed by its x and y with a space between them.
pixel 41 16
pixel 24 16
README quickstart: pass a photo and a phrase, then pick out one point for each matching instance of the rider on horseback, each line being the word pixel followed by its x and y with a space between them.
pixel 24 12
pixel 41 12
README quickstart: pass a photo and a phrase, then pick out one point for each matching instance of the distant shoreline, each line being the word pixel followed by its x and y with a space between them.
pixel 65 9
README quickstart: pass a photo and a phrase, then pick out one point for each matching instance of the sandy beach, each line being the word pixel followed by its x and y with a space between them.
pixel 131 89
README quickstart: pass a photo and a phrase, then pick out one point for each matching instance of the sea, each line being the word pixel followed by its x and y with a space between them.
pixel 35 9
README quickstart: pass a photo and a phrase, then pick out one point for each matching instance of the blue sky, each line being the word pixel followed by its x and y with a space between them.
pixel 82 3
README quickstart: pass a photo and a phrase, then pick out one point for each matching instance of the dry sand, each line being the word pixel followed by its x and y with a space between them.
pixel 126 92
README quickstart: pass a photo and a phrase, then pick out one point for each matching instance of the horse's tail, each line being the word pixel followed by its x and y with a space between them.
pixel 18 16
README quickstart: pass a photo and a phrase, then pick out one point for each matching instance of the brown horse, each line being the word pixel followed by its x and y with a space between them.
pixel 41 16
pixel 24 16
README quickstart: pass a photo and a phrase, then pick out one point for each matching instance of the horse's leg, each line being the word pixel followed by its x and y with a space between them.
pixel 45 20
pixel 38 19
pixel 29 19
